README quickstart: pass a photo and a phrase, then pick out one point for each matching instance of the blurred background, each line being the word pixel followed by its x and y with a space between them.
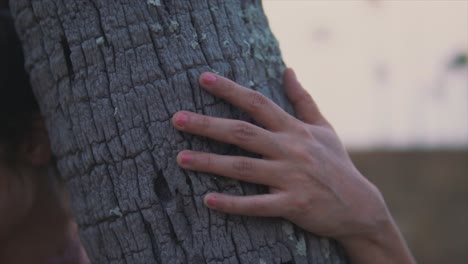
pixel 392 77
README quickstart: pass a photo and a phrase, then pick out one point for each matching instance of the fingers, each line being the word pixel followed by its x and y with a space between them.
pixel 252 170
pixel 266 205
pixel 259 107
pixel 304 106
pixel 239 133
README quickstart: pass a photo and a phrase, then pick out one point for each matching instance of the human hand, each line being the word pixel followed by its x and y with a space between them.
pixel 312 181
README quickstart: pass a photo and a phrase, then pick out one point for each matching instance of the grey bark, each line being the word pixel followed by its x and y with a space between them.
pixel 108 76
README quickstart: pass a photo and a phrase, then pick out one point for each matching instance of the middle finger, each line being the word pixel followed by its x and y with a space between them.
pixel 239 133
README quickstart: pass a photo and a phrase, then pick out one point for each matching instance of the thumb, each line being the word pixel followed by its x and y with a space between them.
pixel 304 106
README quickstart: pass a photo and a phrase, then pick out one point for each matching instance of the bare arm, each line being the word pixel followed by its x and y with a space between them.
pixel 311 178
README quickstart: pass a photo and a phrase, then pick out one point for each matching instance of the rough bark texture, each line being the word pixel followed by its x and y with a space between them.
pixel 109 75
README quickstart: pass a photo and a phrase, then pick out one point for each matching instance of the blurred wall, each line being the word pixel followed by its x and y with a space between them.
pixel 381 71
pixel 427 194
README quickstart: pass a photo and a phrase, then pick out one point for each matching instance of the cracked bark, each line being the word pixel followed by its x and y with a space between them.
pixel 108 76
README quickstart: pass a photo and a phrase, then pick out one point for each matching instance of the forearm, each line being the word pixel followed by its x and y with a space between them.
pixel 386 246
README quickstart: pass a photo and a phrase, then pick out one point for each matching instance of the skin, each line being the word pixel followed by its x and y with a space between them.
pixel 312 181
pixel 34 216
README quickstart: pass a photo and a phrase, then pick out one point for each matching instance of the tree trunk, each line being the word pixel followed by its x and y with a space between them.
pixel 108 76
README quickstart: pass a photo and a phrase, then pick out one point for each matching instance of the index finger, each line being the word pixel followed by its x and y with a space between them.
pixel 259 107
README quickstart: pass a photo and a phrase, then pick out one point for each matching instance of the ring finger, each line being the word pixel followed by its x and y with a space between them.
pixel 260 171
pixel 239 133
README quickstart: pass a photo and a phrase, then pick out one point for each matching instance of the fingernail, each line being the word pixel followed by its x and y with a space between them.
pixel 181 119
pixel 210 200
pixel 185 158
pixel 209 78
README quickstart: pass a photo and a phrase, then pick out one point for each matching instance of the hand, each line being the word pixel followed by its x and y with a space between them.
pixel 312 181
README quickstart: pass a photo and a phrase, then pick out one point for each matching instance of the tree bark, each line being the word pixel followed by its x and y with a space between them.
pixel 108 76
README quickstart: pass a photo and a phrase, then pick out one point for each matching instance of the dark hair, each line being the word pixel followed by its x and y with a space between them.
pixel 4 3
pixel 17 103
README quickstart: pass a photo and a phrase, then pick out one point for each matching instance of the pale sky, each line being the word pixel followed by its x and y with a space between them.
pixel 378 69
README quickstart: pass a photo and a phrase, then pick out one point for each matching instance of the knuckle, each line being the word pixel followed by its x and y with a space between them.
pixel 204 122
pixel 227 89
pixel 230 85
pixel 287 119
pixel 302 152
pixel 201 124
pixel 302 204
pixel 207 161
pixel 242 168
pixel 305 133
pixel 299 205
pixel 309 160
pixel 307 98
pixel 231 204
pixel 243 131
pixel 256 100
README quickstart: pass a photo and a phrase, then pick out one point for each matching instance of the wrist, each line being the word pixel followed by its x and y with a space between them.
pixel 384 245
